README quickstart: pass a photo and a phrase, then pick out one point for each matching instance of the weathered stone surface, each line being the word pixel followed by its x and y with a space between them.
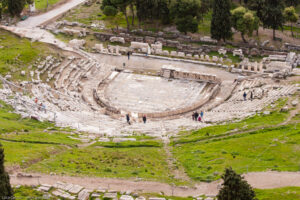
pixel 117 39
pixel 295 103
pixel 75 189
pixel 156 198
pixel 110 195
pixel 84 195
pixel 77 43
pixel 126 197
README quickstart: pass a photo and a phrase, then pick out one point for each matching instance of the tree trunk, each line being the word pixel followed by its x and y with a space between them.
pixel 132 12
pixel 292 30
pixel 274 34
pixel 243 37
pixel 127 20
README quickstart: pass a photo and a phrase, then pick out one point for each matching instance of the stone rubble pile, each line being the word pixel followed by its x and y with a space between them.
pixel 77 192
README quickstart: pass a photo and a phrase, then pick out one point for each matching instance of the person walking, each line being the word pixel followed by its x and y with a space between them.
pixel 36 100
pixel 251 95
pixel 193 116
pixel 144 119
pixel 128 54
pixel 128 118
pixel 199 118
pixel 201 114
pixel 196 116
pixel 245 96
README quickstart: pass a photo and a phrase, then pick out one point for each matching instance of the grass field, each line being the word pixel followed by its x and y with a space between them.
pixel 247 124
pixel 17 54
pixel 11 122
pixel 24 154
pixel 287 193
pixel 268 149
pixel 143 162
pixel 42 4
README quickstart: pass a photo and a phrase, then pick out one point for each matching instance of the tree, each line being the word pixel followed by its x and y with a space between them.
pixel 186 13
pixel 292 2
pixel 291 16
pixel 220 23
pixel 187 24
pixel 110 10
pixel 272 15
pixel 5 188
pixel 122 6
pixel 235 187
pixel 257 6
pixel 244 21
pixel 15 7
pixel 205 7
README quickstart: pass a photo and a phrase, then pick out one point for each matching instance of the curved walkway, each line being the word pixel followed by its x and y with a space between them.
pixel 260 180
pixel 38 20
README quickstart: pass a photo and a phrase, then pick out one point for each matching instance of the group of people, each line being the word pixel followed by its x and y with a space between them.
pixel 198 117
pixel 128 119
pixel 245 96
pixel 41 106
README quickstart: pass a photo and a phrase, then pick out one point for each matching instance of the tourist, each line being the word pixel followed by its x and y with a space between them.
pixel 199 118
pixel 44 108
pixel 144 119
pixel 245 96
pixel 196 116
pixel 251 95
pixel 36 100
pixel 201 114
pixel 128 54
pixel 193 116
pixel 41 107
pixel 128 118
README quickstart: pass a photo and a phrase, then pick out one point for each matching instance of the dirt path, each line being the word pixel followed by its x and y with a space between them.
pixel 260 180
pixel 38 20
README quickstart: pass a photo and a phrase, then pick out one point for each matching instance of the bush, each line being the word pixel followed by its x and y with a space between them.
pixel 110 11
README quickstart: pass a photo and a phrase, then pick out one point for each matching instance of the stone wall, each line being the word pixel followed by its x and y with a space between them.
pixel 168 71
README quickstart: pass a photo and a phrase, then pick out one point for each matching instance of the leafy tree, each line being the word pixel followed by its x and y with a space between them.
pixel 235 187
pixel 205 7
pixel 5 188
pixel 272 15
pixel 244 21
pixel 15 7
pixel 110 11
pixel 186 13
pixel 121 5
pixel 186 24
pixel 220 23
pixel 292 2
pixel 257 6
pixel 291 16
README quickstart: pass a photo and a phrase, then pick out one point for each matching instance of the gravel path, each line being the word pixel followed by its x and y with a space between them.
pixel 38 20
pixel 260 180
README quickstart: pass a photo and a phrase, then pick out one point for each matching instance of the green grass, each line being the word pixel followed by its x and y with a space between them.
pixel 28 193
pixel 18 54
pixel 42 4
pixel 144 162
pixel 247 124
pixel 41 137
pixel 11 122
pixel 24 154
pixel 169 48
pixel 204 26
pixel 268 149
pixel 287 193
pixel 129 144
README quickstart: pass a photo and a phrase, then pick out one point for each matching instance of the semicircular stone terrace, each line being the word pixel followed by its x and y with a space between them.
pixel 153 96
